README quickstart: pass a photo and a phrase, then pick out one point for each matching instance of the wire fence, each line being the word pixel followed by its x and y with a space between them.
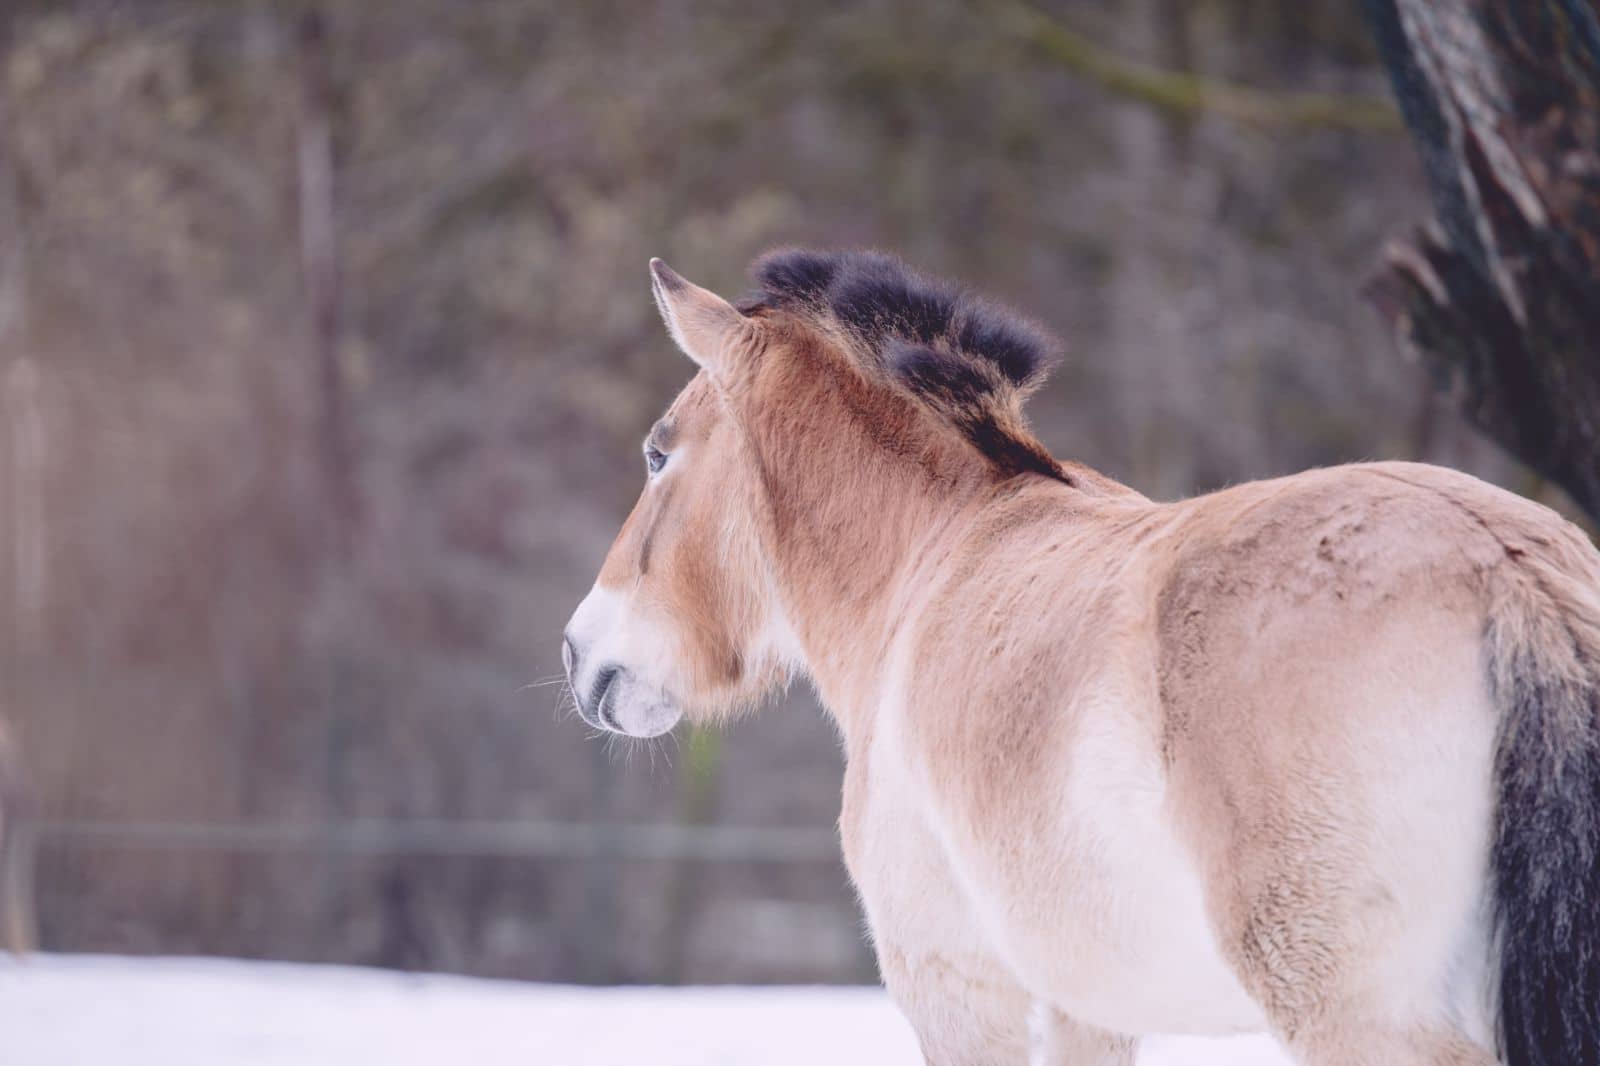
pixel 597 845
pixel 442 837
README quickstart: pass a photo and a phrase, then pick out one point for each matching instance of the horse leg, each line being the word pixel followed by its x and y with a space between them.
pixel 1364 1042
pixel 965 1013
pixel 1061 1041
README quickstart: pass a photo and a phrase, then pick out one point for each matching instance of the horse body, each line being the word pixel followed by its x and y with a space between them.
pixel 1318 755
pixel 1257 711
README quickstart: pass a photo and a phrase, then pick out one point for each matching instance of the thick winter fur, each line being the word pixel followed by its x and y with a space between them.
pixel 1315 755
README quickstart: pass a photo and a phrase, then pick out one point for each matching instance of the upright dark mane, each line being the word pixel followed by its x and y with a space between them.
pixel 969 359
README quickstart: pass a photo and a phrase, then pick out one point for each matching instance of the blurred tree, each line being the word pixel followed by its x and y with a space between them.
pixel 1501 298
pixel 20 435
pixel 319 258
pixel 442 210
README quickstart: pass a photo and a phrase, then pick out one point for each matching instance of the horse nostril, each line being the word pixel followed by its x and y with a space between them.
pixel 602 688
pixel 569 658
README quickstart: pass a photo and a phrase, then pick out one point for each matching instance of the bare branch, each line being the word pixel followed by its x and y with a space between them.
pixel 1186 94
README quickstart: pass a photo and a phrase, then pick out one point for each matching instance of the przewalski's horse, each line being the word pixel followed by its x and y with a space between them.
pixel 1318 755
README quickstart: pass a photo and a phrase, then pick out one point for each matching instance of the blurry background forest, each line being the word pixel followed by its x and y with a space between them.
pixel 325 350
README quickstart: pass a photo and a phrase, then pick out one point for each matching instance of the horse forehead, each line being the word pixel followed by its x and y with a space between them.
pixel 694 411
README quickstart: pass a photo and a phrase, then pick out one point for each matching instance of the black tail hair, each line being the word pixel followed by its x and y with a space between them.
pixel 1546 858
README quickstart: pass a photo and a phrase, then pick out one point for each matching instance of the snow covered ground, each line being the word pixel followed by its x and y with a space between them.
pixel 58 1010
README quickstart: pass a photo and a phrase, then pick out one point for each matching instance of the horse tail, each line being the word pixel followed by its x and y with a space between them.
pixel 1544 663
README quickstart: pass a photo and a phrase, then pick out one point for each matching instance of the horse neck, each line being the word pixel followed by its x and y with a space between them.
pixel 848 535
pixel 844 604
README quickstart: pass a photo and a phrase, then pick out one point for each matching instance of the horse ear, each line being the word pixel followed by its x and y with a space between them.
pixel 702 323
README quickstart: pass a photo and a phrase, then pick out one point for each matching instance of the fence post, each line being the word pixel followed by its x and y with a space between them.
pixel 598 924
pixel 702 770
pixel 18 921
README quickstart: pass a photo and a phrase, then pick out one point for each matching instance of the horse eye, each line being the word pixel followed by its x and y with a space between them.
pixel 654 458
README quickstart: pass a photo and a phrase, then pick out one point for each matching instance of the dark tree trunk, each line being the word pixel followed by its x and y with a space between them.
pixel 1500 296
